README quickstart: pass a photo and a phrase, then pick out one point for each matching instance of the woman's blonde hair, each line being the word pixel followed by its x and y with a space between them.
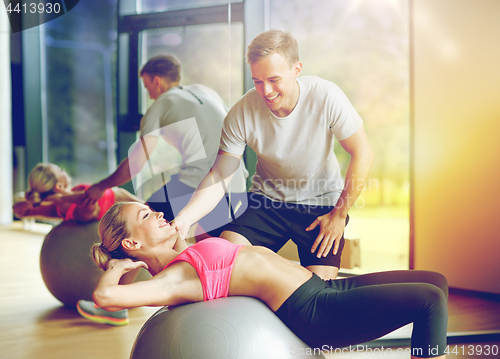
pixel 42 180
pixel 273 41
pixel 113 229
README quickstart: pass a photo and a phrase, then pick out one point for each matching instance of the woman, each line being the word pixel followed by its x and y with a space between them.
pixel 337 313
pixel 51 196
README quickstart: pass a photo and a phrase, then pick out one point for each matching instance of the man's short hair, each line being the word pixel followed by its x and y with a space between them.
pixel 270 42
pixel 167 66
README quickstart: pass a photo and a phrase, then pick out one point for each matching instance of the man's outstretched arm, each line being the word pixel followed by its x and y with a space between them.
pixel 209 192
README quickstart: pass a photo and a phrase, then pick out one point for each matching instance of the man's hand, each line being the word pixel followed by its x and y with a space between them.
pixel 332 227
pixel 92 195
pixel 181 226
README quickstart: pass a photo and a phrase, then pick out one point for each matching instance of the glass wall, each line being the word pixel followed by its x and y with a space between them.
pixel 210 49
pixel 211 55
pixel 130 7
pixel 363 46
pixel 78 95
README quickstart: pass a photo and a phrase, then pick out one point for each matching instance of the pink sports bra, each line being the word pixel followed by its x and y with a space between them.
pixel 105 202
pixel 213 259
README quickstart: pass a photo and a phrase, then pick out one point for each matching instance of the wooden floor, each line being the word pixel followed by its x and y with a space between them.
pixel 34 325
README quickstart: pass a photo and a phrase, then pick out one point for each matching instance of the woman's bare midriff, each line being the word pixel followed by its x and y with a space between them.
pixel 258 272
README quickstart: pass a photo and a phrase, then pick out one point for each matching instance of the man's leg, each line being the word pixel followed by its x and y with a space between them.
pixel 300 218
pixel 258 225
pixel 323 271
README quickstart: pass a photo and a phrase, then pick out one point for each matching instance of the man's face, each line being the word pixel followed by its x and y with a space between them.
pixel 275 81
pixel 152 85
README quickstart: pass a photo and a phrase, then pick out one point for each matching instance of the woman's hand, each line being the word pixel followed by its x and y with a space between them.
pixel 126 265
pixel 109 294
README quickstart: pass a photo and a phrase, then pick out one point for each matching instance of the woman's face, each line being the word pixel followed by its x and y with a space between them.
pixel 149 228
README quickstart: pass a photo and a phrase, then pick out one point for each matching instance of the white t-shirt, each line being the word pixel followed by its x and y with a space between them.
pixel 190 119
pixel 295 158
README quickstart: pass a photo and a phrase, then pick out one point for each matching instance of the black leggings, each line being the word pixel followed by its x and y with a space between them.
pixel 355 310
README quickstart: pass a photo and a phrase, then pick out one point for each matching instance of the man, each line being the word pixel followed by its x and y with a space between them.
pixel 189 117
pixel 297 192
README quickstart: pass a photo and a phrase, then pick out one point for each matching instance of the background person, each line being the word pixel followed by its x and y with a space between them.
pixel 50 195
pixel 297 193
pixel 189 117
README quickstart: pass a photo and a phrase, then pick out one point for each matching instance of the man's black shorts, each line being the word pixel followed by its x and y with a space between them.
pixel 271 224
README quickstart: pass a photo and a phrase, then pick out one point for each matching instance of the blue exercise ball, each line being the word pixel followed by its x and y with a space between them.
pixel 225 328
